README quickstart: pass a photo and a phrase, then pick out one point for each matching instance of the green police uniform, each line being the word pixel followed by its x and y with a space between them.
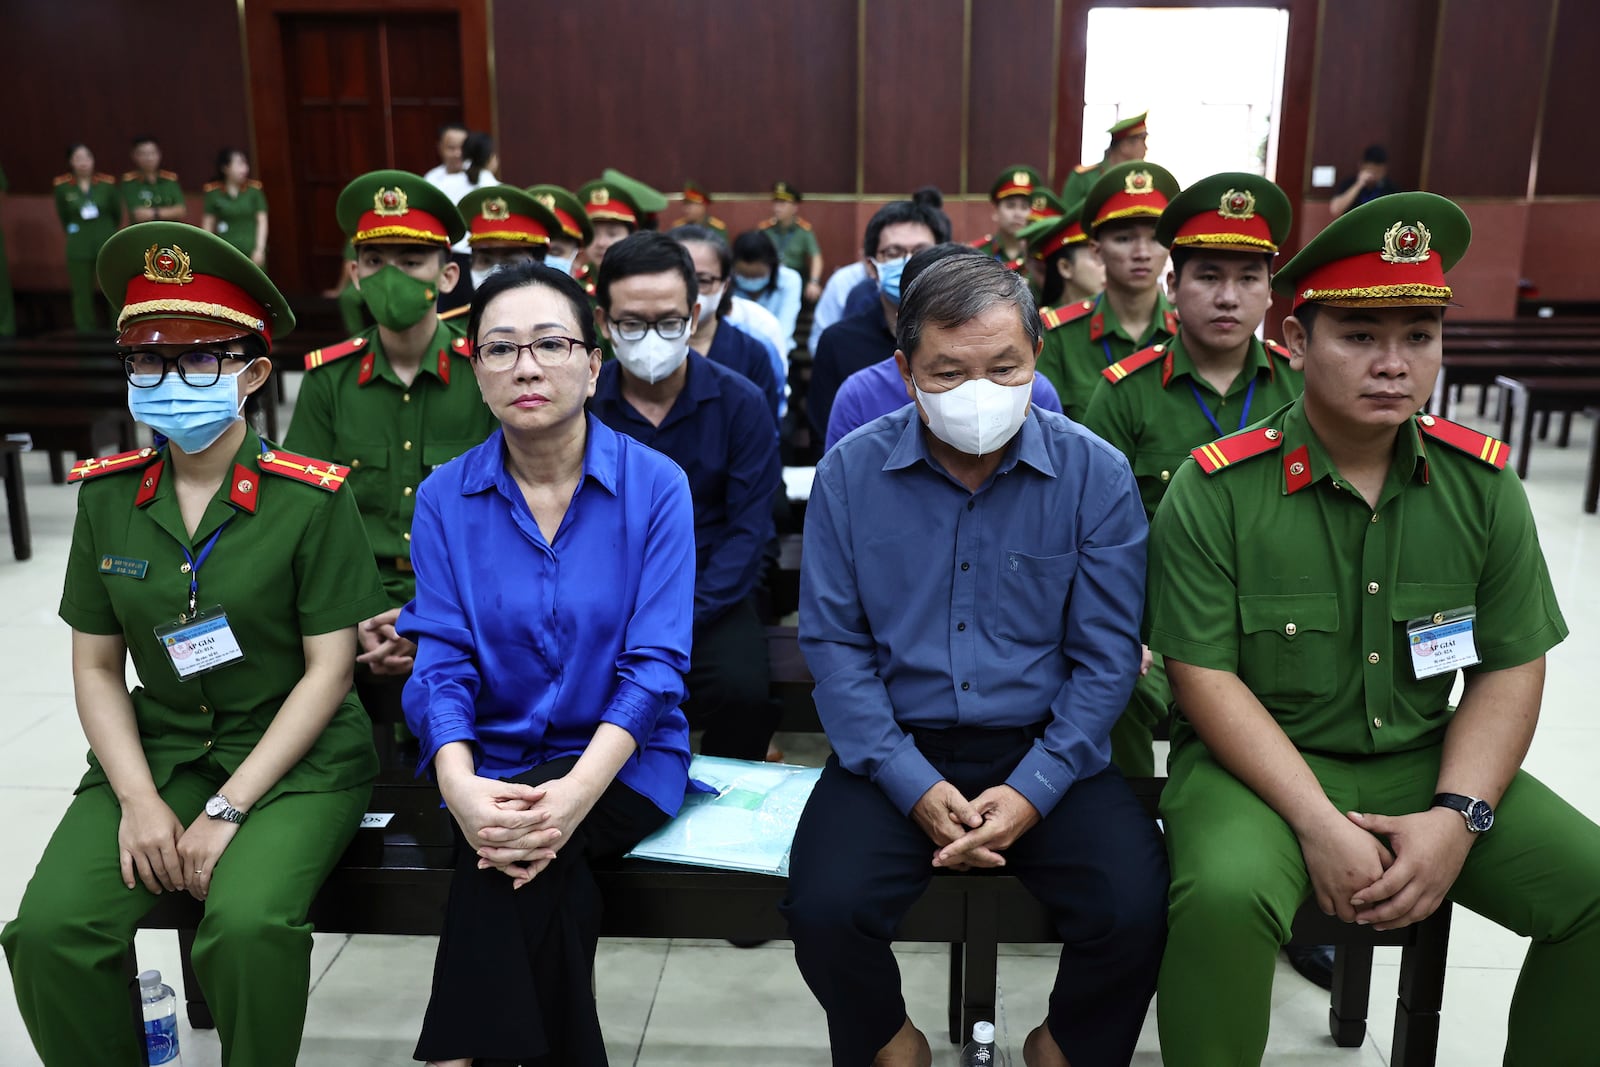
pixel 1265 563
pixel 1085 338
pixel 1020 181
pixel 236 214
pixel 795 242
pixel 138 192
pixel 90 218
pixel 1084 177
pixel 288 559
pixel 8 310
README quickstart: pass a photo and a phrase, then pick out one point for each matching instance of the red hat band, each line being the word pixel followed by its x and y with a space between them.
pixel 1124 205
pixel 519 229
pixel 410 227
pixel 1131 131
pixel 569 225
pixel 1069 235
pixel 1370 280
pixel 1213 229
pixel 695 196
pixel 613 210
pixel 200 296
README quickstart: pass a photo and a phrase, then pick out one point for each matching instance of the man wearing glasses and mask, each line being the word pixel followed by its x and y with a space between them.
pixel 717 426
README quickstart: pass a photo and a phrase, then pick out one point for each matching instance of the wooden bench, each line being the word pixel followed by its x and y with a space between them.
pixel 1482 368
pixel 1540 395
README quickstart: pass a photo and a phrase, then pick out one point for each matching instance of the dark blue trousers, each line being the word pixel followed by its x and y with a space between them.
pixel 1096 861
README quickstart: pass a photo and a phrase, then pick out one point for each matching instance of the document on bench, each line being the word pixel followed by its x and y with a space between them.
pixel 743 819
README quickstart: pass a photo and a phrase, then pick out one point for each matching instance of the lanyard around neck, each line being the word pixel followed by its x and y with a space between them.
pixel 1244 416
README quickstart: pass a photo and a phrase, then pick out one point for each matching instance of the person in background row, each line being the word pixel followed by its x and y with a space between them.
pixel 1012 197
pixel 395 401
pixel 697 210
pixel 791 235
pixel 1083 339
pixel 896 232
pixel 449 177
pixel 970 595
pixel 716 425
pixel 1062 265
pixel 505 227
pixel 880 389
pixel 760 276
pixel 475 172
pixel 1368 183
pixel 148 192
pixel 849 290
pixel 546 706
pixel 237 770
pixel 574 232
pixel 714 336
pixel 450 144
pixel 1129 143
pixel 613 214
pixel 235 208
pixel 89 206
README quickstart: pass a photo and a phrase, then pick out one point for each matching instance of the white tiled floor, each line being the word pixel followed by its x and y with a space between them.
pixel 704 1003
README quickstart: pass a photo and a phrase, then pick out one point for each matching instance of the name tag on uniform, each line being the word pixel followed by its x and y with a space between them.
pixel 1443 642
pixel 89 211
pixel 222 227
pixel 129 568
pixel 201 644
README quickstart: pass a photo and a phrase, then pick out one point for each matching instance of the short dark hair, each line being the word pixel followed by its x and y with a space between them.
pixel 925 208
pixel 645 252
pixel 522 275
pixel 144 138
pixel 957 290
pixel 926 258
pixel 753 246
pixel 1055 286
pixel 225 156
pixel 1182 255
pixel 448 127
pixel 477 150
pixel 74 146
pixel 1375 153
pixel 705 235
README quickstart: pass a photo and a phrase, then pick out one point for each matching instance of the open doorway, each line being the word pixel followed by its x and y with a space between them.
pixel 1226 120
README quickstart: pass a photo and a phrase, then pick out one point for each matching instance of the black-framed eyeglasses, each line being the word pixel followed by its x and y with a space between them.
pixel 548 352
pixel 199 368
pixel 670 328
pixel 707 281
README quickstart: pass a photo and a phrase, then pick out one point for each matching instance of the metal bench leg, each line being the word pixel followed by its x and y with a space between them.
pixel 1564 438
pixel 1525 445
pixel 58 468
pixel 982 970
pixel 1544 425
pixel 1416 1011
pixel 199 1010
pixel 1352 990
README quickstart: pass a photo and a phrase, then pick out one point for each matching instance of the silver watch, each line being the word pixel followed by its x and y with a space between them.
pixel 219 808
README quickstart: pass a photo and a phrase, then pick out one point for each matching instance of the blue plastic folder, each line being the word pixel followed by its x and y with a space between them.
pixel 742 818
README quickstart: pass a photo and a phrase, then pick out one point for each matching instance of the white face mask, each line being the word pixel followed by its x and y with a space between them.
pixel 652 357
pixel 481 276
pixel 559 263
pixel 977 416
pixel 709 302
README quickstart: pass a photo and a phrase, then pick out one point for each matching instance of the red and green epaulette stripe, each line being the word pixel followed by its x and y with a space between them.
pixel 1240 446
pixel 454 313
pixel 1481 446
pixel 321 357
pixel 1060 316
pixel 323 475
pixel 1281 351
pixel 1124 367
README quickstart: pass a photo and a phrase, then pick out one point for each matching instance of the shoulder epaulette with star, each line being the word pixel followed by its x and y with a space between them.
pixel 1124 367
pixel 455 313
pixel 1084 168
pixel 100 466
pixel 1480 446
pixel 323 475
pixel 1060 316
pixel 1241 446
pixel 767 224
pixel 803 224
pixel 1278 350
pixel 252 183
pixel 715 223
pixel 103 178
pixel 130 175
pixel 321 357
pixel 461 347
pixel 211 187
pixel 1169 321
pixel 167 175
pixel 980 242
pixel 61 179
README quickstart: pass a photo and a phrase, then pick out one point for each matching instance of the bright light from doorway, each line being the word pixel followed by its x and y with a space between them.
pixel 1211 78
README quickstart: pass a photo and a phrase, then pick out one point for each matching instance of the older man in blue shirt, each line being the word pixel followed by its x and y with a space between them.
pixel 970 603
pixel 715 424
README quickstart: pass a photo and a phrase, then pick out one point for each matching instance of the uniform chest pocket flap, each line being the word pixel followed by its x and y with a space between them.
pixel 1418 600
pixel 1291 646
pixel 1158 466
pixel 438 453
pixel 361 455
pixel 1031 595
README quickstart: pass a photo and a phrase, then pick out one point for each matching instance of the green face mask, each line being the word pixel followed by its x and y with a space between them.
pixel 396 299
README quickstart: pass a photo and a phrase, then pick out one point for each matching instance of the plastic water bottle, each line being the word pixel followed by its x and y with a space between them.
pixel 161 1020
pixel 979 1052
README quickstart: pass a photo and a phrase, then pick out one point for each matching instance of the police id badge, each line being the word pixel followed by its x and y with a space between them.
pixel 200 643
pixel 1443 642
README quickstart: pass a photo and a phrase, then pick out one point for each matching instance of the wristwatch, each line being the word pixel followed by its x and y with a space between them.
pixel 219 808
pixel 1478 813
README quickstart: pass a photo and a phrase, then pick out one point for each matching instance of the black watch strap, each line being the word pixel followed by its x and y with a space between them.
pixel 1477 812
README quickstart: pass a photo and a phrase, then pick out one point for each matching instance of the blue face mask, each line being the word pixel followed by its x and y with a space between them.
pixel 889 279
pixel 190 416
pixel 751 285
pixel 560 263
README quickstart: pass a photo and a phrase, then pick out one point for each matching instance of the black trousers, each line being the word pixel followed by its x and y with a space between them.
pixel 1096 861
pixel 729 682
pixel 513 979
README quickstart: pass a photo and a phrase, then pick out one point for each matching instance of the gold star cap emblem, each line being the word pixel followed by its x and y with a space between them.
pixel 1406 242
pixel 390 202
pixel 1021 178
pixel 601 196
pixel 169 266
pixel 547 200
pixel 1237 204
pixel 495 210
pixel 1137 183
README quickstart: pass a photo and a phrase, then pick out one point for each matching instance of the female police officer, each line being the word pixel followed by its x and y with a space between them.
pixel 237 771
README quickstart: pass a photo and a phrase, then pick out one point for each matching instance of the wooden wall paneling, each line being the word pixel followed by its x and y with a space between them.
pixel 423 71
pixel 913 96
pixel 1486 86
pixel 1070 67
pixel 1569 153
pixel 1558 253
pixel 735 96
pixel 1011 88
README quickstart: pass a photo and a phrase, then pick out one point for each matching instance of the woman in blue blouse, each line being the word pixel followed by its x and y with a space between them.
pixel 553 613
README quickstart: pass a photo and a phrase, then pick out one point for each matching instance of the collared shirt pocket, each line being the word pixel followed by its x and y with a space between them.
pixel 1290 646
pixel 1031 596
pixel 369 471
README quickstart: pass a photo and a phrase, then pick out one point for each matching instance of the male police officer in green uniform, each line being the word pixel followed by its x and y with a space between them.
pixel 574 232
pixel 613 213
pixel 1316 583
pixel 505 227
pixel 397 399
pixel 1128 144
pixel 697 210
pixel 90 210
pixel 233 574
pixel 1084 338
pixel 791 235
pixel 1012 195
pixel 149 192
pixel 1213 378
